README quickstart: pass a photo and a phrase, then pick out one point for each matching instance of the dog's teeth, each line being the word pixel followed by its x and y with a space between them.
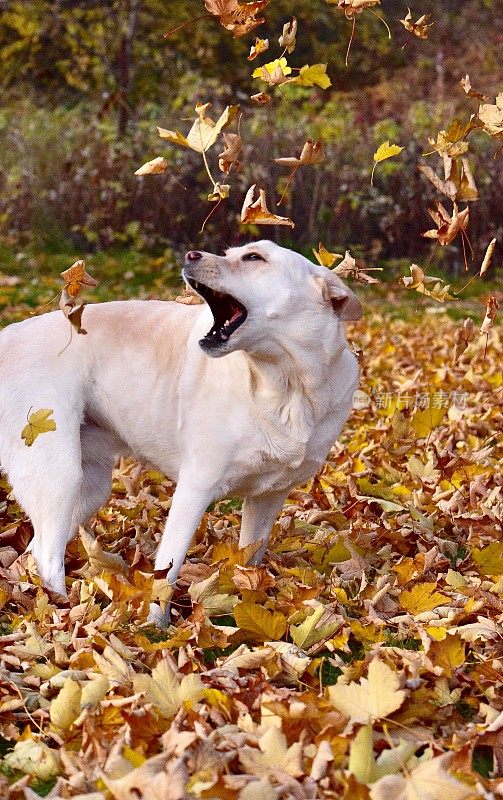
pixel 224 337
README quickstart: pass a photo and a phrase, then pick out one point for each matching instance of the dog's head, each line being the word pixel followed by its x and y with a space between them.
pixel 264 298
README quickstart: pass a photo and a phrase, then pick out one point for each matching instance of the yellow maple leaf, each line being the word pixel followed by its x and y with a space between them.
pixel 372 698
pixel 166 690
pixel 449 653
pixel 314 75
pixel 325 257
pixel 489 560
pixel 424 421
pixel 422 597
pixel 274 754
pixel 260 622
pixel 38 423
pixel 384 151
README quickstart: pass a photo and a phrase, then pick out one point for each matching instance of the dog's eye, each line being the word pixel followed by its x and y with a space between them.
pixel 252 257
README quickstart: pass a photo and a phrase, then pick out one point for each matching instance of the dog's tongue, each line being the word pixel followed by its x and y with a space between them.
pixel 235 314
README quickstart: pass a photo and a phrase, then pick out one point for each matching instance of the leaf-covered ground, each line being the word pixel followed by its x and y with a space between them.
pixel 363 659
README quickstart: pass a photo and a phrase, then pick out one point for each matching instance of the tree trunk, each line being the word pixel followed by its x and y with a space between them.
pixel 125 72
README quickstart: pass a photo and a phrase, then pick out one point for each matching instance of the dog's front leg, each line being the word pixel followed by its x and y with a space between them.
pixel 259 514
pixel 187 508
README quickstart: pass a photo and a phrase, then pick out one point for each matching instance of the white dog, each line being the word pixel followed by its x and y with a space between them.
pixel 243 395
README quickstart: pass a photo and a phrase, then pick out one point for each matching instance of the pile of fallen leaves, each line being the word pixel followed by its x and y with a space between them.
pixel 363 659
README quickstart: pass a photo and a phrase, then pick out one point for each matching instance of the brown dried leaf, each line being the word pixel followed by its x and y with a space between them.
pixel 287 40
pixel 255 212
pixel 76 277
pixel 491 309
pixel 418 28
pixel 231 154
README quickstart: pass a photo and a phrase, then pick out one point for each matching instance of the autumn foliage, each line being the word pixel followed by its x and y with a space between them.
pixel 362 660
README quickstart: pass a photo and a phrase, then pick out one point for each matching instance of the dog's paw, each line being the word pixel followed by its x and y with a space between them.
pixel 159 617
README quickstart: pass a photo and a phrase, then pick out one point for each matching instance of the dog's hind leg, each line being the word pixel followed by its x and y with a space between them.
pixel 98 456
pixel 46 480
pixel 259 514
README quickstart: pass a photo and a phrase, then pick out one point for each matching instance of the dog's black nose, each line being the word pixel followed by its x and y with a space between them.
pixel 193 255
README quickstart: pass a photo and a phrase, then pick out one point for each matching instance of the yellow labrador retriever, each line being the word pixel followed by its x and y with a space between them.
pixel 243 395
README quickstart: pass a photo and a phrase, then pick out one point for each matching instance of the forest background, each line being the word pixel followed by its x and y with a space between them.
pixel 86 83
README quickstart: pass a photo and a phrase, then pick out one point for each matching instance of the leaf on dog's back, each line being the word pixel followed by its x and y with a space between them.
pixel 263 624
pixel 38 423
pixel 76 277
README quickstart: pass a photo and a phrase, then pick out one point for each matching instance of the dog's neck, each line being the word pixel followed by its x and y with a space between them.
pixel 291 387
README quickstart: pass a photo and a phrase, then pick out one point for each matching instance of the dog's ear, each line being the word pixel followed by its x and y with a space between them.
pixel 344 302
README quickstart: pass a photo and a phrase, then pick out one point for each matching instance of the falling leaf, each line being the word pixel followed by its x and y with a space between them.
pixel 256 212
pixel 348 268
pixel 274 73
pixel 231 154
pixel 312 153
pixel 491 116
pixel 73 311
pixel 261 99
pixel 314 75
pixel 467 88
pixel 449 143
pixel 426 284
pixel 76 277
pixel 448 226
pixel 287 38
pixel 325 257
pixel 384 151
pixel 446 187
pixel 239 18
pixel 259 47
pixel 419 28
pixel 220 192
pixel 38 422
pixel 490 316
pixel 259 621
pixel 204 131
pixel 462 338
pixel 428 781
pixel 352 7
pixel 486 263
pixel 372 698
pixel 422 597
pixel 154 167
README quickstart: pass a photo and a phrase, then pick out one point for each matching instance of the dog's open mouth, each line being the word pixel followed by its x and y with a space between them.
pixel 228 314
